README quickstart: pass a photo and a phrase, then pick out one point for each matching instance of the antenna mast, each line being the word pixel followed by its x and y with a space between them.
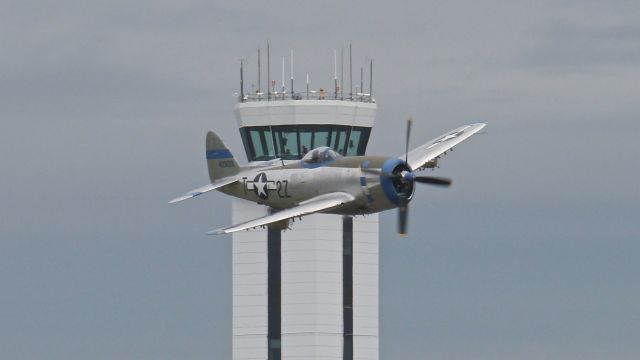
pixel 259 71
pixel 350 74
pixel 283 89
pixel 361 83
pixel 335 74
pixel 292 73
pixel 268 72
pixel 371 80
pixel 342 72
pixel 241 83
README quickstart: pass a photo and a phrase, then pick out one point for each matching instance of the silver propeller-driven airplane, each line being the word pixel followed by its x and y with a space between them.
pixel 325 182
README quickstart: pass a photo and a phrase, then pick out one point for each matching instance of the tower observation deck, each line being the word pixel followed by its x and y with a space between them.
pixel 288 129
pixel 310 292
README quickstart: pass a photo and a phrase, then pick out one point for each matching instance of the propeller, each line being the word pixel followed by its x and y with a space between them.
pixel 406 143
pixel 403 209
pixel 405 176
pixel 408 177
pixel 432 180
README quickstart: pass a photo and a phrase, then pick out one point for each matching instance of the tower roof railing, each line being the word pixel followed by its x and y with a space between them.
pixel 311 95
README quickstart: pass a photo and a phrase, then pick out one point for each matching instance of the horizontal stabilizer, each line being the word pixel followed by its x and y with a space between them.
pixel 203 189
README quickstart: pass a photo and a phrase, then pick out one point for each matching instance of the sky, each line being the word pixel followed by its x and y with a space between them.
pixel 532 254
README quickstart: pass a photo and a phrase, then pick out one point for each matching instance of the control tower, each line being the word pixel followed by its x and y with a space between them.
pixel 309 292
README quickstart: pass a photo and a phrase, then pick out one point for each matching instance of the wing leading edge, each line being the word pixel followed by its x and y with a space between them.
pixel 421 155
pixel 317 204
pixel 203 189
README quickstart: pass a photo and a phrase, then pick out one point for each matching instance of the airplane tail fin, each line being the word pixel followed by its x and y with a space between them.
pixel 220 161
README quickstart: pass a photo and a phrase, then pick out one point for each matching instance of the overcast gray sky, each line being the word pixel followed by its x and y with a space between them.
pixel 532 254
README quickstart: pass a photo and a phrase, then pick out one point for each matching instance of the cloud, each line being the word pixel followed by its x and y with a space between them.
pixel 584 35
pixel 575 47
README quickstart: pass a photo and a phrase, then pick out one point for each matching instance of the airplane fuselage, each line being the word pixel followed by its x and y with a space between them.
pixel 287 186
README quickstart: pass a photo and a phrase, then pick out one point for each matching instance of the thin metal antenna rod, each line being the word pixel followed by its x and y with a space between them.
pixel 241 83
pixel 268 73
pixel 371 80
pixel 259 71
pixel 342 72
pixel 283 88
pixel 307 86
pixel 361 84
pixel 292 73
pixel 335 74
pixel 350 74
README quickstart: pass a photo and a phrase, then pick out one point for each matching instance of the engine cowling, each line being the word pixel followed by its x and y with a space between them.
pixel 393 184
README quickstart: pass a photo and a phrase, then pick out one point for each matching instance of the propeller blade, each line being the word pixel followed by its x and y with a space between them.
pixel 406 153
pixel 432 180
pixel 403 212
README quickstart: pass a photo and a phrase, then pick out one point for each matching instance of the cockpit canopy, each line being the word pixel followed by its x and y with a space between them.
pixel 320 155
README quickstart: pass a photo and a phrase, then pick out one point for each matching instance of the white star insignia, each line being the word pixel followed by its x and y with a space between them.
pixel 261 186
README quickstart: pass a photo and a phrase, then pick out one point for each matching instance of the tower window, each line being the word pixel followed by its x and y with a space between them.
pixel 291 142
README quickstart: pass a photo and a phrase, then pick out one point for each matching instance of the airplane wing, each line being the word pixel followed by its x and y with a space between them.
pixel 203 189
pixel 317 204
pixel 421 155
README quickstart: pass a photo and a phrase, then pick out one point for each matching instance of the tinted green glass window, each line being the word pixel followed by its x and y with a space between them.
pixel 260 143
pixel 321 137
pixel 340 140
pixel 364 139
pixel 258 148
pixel 354 140
pixel 291 141
pixel 277 143
pixel 358 140
pixel 287 139
pixel 306 136
pixel 268 140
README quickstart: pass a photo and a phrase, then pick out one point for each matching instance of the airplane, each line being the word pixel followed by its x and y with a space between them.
pixel 323 181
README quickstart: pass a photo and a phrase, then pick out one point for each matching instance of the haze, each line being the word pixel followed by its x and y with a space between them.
pixel 532 254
